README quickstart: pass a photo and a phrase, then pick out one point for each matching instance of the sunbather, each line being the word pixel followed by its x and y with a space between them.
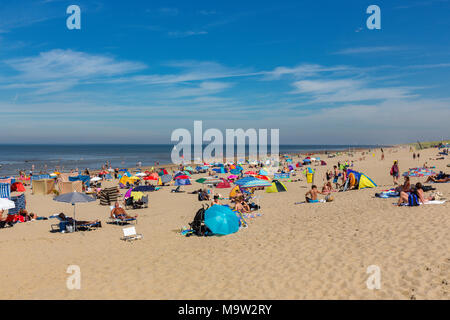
pixel 418 191
pixel 439 178
pixel 63 217
pixel 119 213
pixel 242 207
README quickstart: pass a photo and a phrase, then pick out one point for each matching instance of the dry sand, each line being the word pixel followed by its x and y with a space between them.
pixel 305 251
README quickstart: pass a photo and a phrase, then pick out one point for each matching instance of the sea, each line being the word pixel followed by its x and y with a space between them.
pixel 48 158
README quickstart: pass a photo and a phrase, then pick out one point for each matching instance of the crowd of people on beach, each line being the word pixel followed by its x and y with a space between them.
pixel 336 179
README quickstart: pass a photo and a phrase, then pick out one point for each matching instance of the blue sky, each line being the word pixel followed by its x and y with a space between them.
pixel 137 70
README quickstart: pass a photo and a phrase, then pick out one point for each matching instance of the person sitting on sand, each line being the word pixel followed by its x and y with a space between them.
pixel 405 187
pixel 215 200
pixel 327 188
pixel 237 196
pixel 205 195
pixel 242 207
pixel 418 191
pixel 313 193
pixel 119 213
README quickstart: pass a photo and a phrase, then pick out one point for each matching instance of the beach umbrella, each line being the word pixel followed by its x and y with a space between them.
pixel 189 168
pixel 6 204
pixel 262 177
pixel 166 178
pixel 212 181
pixel 221 220
pixel 201 180
pixel 244 180
pixel 257 183
pixel 73 198
pixel 95 179
pixel 188 173
pixel 232 176
pixel 163 172
pixel 182 182
pixel 182 177
pixel 140 174
pixel 153 176
pixel 250 172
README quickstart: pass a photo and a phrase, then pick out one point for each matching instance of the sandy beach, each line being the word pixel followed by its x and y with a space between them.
pixel 293 251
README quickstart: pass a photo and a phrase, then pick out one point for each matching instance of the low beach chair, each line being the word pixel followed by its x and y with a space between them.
pixel 63 223
pixel 129 234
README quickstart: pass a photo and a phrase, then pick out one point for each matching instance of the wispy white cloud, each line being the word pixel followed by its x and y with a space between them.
pixel 368 50
pixel 59 70
pixel 347 90
pixel 68 64
pixel 169 11
pixel 184 34
pixel 207 12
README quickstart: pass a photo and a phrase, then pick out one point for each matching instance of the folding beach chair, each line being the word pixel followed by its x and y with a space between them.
pixel 5 190
pixel 145 201
pixel 129 234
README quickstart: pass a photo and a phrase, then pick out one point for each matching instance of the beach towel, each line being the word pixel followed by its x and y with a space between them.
pixel 435 202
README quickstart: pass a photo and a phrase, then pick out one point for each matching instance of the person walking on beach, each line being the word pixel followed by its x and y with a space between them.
pixel 414 156
pixel 394 172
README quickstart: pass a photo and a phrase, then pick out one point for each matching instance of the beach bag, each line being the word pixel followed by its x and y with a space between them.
pixel 198 224
pixel 413 200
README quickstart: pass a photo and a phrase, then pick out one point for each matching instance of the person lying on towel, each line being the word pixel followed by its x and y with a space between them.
pixel 416 190
pixel 312 195
pixel 119 213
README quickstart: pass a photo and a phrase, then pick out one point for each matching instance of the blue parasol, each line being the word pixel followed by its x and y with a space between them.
pixel 221 220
